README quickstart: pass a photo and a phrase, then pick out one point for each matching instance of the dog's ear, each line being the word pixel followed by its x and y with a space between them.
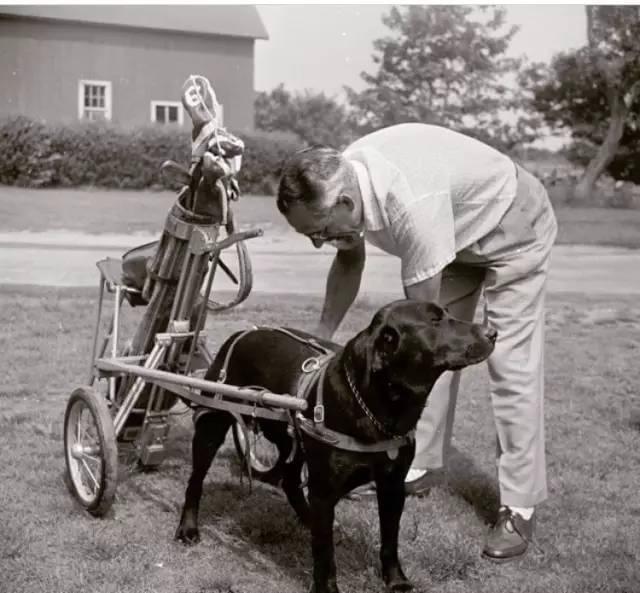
pixel 385 345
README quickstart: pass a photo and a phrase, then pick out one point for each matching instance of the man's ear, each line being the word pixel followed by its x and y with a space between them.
pixel 346 201
pixel 385 346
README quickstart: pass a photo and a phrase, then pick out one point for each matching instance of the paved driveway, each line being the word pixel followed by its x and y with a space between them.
pixel 288 263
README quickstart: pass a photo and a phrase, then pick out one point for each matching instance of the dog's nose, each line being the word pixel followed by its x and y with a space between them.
pixel 491 333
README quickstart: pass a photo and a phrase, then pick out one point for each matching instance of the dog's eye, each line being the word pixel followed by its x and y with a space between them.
pixel 389 337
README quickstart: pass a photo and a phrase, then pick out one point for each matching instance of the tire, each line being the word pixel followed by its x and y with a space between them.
pixel 263 455
pixel 91 451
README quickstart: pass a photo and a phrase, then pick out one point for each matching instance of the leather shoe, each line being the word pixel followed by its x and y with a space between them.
pixel 422 486
pixel 509 538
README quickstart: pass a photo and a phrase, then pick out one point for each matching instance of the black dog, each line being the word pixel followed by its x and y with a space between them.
pixel 374 390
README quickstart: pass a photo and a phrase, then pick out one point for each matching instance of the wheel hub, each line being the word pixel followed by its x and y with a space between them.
pixel 78 450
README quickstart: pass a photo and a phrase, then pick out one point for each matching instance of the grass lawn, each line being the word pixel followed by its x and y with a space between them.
pixel 589 530
pixel 110 211
pixel 102 211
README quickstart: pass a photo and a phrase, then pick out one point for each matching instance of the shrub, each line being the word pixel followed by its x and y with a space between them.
pixel 35 154
pixel 26 155
pixel 263 157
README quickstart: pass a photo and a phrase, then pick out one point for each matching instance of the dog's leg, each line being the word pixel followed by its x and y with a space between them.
pixel 291 484
pixel 322 505
pixel 275 432
pixel 210 433
pixel 391 495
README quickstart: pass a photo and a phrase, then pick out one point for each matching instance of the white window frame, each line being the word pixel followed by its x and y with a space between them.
pixel 177 104
pixel 107 97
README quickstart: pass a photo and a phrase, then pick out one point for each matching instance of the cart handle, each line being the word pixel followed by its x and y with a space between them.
pixel 235 238
pixel 260 397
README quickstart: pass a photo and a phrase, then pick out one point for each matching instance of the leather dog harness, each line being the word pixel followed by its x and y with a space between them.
pixel 316 428
pixel 313 374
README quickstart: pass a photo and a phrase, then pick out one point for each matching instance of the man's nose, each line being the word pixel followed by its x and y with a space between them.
pixel 317 243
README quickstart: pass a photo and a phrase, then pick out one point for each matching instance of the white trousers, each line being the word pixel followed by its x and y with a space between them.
pixel 510 267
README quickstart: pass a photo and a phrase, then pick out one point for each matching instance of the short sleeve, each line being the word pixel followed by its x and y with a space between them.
pixel 424 233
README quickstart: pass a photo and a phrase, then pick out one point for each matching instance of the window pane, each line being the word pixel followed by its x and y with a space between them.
pixel 160 117
pixel 94 95
pixel 173 113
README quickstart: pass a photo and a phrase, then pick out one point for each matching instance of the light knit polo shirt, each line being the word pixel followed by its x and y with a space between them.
pixel 429 194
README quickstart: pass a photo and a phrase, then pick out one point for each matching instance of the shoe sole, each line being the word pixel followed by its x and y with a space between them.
pixel 360 494
pixel 503 560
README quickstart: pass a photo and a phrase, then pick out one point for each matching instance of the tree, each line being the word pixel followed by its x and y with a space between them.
pixel 313 117
pixel 592 92
pixel 614 50
pixel 444 65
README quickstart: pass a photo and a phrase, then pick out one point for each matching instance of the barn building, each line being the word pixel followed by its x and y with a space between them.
pixel 124 63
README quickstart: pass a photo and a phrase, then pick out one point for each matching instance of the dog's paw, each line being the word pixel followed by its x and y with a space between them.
pixel 187 535
pixel 396 581
pixel 400 585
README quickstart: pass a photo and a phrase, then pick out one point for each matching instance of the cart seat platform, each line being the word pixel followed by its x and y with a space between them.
pixel 113 273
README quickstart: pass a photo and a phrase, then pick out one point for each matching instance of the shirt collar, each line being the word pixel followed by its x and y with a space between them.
pixel 373 220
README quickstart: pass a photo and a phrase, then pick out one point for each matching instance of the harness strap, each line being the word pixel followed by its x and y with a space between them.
pixel 222 375
pixel 348 443
pixel 309 341
pixel 316 428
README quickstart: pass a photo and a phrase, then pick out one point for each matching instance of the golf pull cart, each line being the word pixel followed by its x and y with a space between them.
pixel 132 389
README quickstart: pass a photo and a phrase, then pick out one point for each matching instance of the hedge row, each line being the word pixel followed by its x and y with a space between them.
pixel 35 154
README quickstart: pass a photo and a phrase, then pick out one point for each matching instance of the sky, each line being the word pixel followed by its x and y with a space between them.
pixel 324 47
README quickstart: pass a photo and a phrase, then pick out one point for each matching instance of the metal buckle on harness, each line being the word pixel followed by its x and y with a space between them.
pixel 318 414
pixel 310 365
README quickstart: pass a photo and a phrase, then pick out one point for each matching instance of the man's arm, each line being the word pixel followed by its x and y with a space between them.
pixel 426 290
pixel 343 283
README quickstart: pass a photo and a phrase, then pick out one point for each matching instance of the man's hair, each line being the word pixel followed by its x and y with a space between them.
pixel 304 176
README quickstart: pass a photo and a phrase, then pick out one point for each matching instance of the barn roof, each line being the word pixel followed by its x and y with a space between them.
pixel 233 20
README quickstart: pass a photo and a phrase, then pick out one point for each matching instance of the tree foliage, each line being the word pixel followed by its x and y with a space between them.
pixel 592 93
pixel 313 117
pixel 444 65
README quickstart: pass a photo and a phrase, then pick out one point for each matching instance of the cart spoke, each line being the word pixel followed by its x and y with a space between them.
pixel 91 457
pixel 92 440
pixel 88 471
pixel 85 424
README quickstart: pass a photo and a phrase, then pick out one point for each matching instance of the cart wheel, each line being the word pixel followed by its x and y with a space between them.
pixel 90 450
pixel 263 454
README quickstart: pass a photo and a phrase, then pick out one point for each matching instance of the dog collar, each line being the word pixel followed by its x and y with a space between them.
pixel 356 394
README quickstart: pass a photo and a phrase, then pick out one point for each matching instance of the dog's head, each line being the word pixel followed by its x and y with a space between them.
pixel 409 344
